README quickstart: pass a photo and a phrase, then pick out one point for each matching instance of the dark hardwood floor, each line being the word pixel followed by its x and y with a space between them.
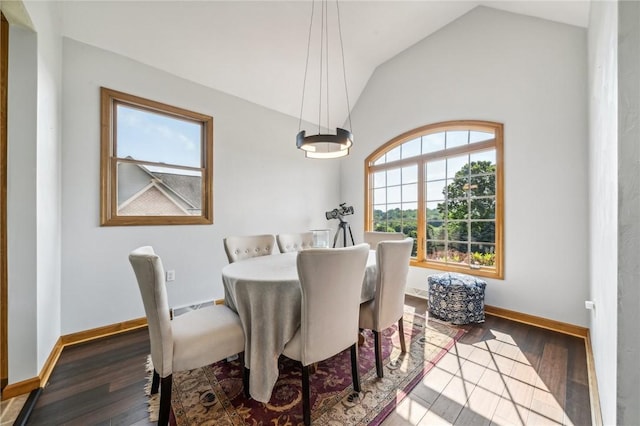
pixel 101 382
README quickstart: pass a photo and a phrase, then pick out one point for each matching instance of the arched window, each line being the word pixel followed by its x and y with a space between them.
pixel 442 185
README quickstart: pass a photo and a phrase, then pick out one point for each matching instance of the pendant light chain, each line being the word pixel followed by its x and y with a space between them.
pixel 322 38
pixel 326 42
pixel 306 65
pixel 344 72
pixel 324 145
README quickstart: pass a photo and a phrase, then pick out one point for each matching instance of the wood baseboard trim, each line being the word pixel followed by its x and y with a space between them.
pixel 100 332
pixel 594 394
pixel 51 362
pixel 28 385
pixel 549 324
pixel 20 388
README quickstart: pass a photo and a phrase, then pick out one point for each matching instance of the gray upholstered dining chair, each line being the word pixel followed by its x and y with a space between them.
pixel 294 242
pixel 387 307
pixel 247 246
pixel 374 237
pixel 191 340
pixel 331 282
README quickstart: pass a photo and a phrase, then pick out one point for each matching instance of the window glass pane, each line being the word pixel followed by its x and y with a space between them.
pixel 457 188
pixel 435 232
pixel 410 207
pixel 436 190
pixel 158 191
pixel 380 196
pixel 457 138
pixel 489 156
pixel 457 231
pixel 482 168
pixel 380 218
pixel 458 253
pixel 457 166
pixel 410 174
pixel 483 208
pixel 394 217
pixel 379 179
pixel 483 255
pixel 147 136
pixel 436 251
pixel 393 194
pixel 410 192
pixel 381 160
pixel 475 136
pixel 435 212
pixel 482 185
pixel 393 177
pixel 457 208
pixel 411 148
pixel 433 142
pixel 409 219
pixel 393 155
pixel 484 232
pixel 436 169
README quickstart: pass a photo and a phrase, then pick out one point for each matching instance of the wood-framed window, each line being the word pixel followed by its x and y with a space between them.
pixel 442 185
pixel 156 163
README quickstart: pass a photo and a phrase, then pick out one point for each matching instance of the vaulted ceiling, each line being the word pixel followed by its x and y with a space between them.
pixel 256 50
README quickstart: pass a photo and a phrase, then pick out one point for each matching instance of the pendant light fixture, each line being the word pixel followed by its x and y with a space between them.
pixel 324 145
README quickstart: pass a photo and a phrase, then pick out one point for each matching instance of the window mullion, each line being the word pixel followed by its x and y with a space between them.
pixel 421 252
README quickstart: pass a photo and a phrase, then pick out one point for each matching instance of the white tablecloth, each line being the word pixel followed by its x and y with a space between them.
pixel 265 292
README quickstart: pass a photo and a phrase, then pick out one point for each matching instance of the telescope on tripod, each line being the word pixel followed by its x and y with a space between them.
pixel 343 226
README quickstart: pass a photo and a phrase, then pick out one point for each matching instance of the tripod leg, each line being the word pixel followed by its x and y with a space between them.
pixel 335 238
pixel 351 234
pixel 344 234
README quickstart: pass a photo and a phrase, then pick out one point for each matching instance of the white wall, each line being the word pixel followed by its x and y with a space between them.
pixel 21 205
pixel 529 74
pixel 33 191
pixel 262 184
pixel 628 348
pixel 603 199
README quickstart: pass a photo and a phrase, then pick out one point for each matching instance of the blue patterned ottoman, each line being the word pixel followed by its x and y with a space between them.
pixel 457 298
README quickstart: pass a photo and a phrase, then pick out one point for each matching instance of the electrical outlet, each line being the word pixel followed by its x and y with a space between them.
pixel 171 275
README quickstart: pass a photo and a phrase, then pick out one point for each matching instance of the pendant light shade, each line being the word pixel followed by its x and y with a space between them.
pixel 324 145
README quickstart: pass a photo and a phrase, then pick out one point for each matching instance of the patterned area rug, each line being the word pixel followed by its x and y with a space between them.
pixel 213 395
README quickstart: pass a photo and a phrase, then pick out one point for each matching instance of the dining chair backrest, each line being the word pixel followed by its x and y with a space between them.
pixel 151 281
pixel 294 242
pixel 331 282
pixel 374 237
pixel 245 247
pixel 392 260
pixel 194 339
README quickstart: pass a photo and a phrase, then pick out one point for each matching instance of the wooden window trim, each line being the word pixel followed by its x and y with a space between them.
pixel 4 300
pixel 420 160
pixel 108 162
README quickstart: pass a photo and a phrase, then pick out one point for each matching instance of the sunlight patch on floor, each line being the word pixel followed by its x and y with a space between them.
pixel 487 382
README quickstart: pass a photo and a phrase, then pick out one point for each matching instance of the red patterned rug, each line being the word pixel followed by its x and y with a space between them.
pixel 213 395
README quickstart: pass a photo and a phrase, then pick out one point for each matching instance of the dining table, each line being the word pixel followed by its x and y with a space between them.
pixel 265 292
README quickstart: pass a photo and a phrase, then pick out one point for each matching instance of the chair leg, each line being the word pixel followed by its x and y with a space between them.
pixel 377 341
pixel 245 382
pixel 165 400
pixel 403 346
pixel 155 382
pixel 306 403
pixel 355 371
